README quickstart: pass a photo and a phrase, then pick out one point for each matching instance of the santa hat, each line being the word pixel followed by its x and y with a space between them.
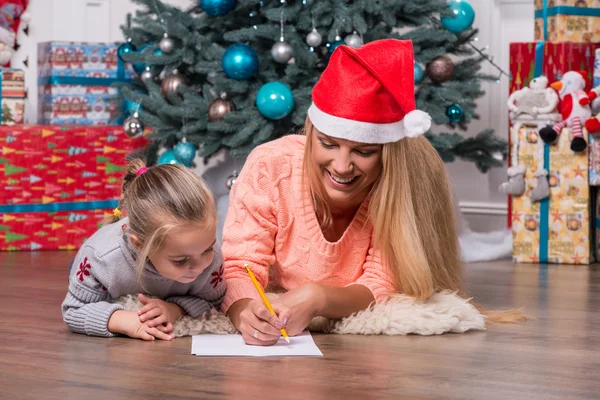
pixel 367 94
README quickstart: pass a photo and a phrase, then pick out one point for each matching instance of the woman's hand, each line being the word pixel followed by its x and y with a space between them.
pixel 157 312
pixel 304 303
pixel 256 323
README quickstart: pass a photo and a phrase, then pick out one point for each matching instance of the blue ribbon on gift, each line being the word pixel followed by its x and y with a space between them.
pixel 544 204
pixel 86 81
pixel 546 12
pixel 83 81
pixel 55 207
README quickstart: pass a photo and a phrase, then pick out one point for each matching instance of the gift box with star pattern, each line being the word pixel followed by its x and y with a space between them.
pixel 556 229
pixel 567 20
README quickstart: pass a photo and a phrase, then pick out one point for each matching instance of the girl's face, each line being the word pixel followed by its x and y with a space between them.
pixel 347 169
pixel 185 253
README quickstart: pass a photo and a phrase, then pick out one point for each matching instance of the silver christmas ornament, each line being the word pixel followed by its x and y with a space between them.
pixel 314 39
pixel 133 127
pixel 231 180
pixel 167 44
pixel 147 74
pixel 170 84
pixel 281 51
pixel 353 40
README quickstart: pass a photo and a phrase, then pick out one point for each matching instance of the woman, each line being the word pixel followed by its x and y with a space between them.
pixel 358 208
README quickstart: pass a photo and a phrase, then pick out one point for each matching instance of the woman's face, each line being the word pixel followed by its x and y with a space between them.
pixel 347 169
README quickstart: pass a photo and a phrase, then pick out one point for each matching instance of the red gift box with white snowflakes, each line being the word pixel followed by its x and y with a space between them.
pixel 59 183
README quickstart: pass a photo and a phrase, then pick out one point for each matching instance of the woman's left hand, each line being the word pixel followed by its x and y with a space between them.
pixel 304 303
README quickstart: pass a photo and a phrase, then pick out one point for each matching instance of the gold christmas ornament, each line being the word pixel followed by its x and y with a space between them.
pixel 219 108
pixel 170 84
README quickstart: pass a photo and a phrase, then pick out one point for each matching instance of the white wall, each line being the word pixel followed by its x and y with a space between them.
pixel 500 22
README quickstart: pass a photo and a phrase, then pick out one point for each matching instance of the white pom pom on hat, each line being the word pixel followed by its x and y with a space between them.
pixel 367 94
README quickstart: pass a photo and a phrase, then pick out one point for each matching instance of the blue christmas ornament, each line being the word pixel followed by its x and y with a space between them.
pixel 168 157
pixel 455 113
pixel 335 45
pixel 217 8
pixel 240 62
pixel 140 66
pixel 185 153
pixel 419 74
pixel 275 100
pixel 129 107
pixel 462 16
pixel 125 48
pixel 158 52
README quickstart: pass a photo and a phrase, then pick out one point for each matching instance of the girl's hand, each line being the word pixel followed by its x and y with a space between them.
pixel 256 323
pixel 158 312
pixel 146 332
pixel 128 323
pixel 304 304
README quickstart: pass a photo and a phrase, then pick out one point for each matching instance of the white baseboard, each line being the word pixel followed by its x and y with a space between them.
pixel 483 208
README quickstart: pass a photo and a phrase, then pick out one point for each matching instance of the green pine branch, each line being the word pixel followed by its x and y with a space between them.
pixel 201 41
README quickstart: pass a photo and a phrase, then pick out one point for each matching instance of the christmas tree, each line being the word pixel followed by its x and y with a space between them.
pixel 7 114
pixel 235 74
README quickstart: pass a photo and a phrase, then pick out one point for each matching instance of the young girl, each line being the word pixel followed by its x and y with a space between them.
pixel 165 248
pixel 357 209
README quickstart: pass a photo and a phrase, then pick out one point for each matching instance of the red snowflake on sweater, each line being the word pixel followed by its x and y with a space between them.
pixel 217 277
pixel 84 269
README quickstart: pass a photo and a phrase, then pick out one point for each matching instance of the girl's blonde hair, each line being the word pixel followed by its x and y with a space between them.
pixel 412 212
pixel 162 199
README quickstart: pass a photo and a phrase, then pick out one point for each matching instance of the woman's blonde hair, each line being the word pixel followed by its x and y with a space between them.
pixel 162 199
pixel 412 212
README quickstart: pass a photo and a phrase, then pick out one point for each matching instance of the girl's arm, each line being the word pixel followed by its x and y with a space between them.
pixel 85 309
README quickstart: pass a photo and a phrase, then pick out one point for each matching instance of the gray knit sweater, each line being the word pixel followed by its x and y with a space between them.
pixel 104 270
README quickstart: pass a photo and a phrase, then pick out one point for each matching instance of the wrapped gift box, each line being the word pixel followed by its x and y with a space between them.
pixel 567 20
pixel 556 229
pixel 531 59
pixel 59 183
pixel 74 83
pixel 12 82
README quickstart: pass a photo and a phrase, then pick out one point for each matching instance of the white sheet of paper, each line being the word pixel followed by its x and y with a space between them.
pixel 233 345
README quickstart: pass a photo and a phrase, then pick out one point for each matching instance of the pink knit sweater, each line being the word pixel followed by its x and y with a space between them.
pixel 271 225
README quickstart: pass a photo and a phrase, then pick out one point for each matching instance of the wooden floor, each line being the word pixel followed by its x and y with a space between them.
pixel 556 356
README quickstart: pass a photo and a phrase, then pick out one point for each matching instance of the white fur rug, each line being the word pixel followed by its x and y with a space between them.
pixel 401 315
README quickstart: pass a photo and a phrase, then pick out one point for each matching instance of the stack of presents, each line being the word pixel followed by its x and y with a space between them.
pixel 554 112
pixel 62 177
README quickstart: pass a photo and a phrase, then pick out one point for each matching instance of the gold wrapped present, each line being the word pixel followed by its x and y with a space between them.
pixel 567 20
pixel 557 228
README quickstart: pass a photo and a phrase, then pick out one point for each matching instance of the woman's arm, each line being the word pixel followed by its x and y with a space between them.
pixel 312 300
pixel 249 238
pixel 333 302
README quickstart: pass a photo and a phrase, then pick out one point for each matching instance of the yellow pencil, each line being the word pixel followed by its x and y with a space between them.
pixel 265 300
